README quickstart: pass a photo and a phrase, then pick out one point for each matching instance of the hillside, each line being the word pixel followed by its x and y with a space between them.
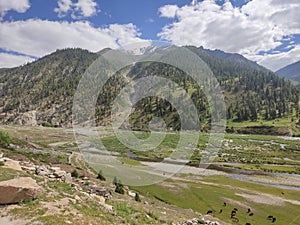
pixel 291 72
pixel 42 92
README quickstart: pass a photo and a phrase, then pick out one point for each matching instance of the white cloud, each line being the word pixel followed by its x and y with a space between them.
pixel 9 60
pixel 277 61
pixel 168 11
pixel 80 9
pixel 63 7
pixel 258 26
pixel 20 6
pixel 86 8
pixel 40 37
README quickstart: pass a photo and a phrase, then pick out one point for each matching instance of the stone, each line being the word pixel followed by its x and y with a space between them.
pixel 42 171
pixel 101 191
pixel 59 173
pixel 98 198
pixel 12 164
pixel 28 168
pixel 131 194
pixel 77 198
pixel 55 169
pixel 18 190
pixel 68 178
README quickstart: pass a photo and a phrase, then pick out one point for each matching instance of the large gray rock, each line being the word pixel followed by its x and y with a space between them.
pixel 18 190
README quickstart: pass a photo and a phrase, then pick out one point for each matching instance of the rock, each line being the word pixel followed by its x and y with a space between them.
pixel 68 178
pixel 60 173
pixel 18 190
pixel 53 169
pixel 77 198
pixel 28 118
pixel 98 198
pixel 42 171
pixel 28 168
pixel 109 208
pixel 12 164
pixel 101 191
pixel 1 155
pixel 131 193
pixel 13 146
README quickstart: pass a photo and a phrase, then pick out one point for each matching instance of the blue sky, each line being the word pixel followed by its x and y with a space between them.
pixel 266 31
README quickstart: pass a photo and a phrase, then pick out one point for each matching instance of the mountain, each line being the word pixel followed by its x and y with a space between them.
pixel 233 58
pixel 291 72
pixel 41 93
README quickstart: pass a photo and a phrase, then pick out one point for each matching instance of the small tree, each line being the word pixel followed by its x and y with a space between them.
pixel 119 186
pixel 5 139
pixel 101 176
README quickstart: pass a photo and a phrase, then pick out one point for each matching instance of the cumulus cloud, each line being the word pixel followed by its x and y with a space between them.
pixel 80 9
pixel 86 8
pixel 37 37
pixel 10 60
pixel 20 6
pixel 258 26
pixel 63 7
pixel 168 11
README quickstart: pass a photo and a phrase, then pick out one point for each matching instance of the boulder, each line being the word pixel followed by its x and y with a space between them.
pixel 59 173
pixel 68 178
pixel 98 198
pixel 11 164
pixel 18 190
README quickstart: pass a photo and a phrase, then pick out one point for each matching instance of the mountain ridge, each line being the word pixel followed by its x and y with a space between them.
pixel 291 71
pixel 41 92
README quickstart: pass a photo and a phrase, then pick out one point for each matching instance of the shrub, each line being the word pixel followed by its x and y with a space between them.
pixel 119 189
pixel 5 139
pixel 101 176
pixel 119 186
pixel 75 174
pixel 47 124
pixel 137 197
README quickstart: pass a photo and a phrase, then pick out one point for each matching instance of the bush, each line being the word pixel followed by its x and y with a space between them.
pixel 47 124
pixel 119 189
pixel 101 176
pixel 75 174
pixel 5 139
pixel 119 186
pixel 137 197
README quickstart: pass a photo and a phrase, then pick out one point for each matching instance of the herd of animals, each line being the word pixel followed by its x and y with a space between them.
pixel 234 217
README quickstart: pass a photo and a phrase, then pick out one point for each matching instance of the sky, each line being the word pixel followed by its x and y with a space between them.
pixel 265 31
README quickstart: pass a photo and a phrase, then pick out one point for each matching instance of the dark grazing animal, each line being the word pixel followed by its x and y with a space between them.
pixel 225 204
pixel 221 210
pixel 248 210
pixel 273 220
pixel 270 217
pixel 248 224
pixel 209 212
pixel 235 209
pixel 251 214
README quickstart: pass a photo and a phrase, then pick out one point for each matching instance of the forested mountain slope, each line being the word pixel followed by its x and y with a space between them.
pixel 42 92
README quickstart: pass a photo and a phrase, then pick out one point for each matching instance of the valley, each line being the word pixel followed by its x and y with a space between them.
pixel 256 172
